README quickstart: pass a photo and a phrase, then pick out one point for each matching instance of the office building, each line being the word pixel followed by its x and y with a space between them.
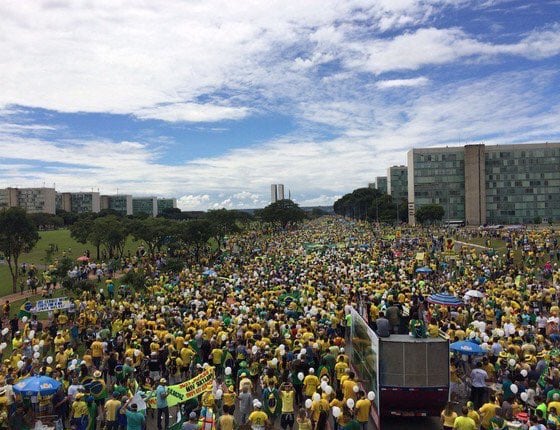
pixel 273 193
pixel 478 184
pixel 280 191
pixel 33 200
pixel 397 183
pixel 381 184
pixel 163 204
pixel 121 203
pixel 144 205
pixel 78 202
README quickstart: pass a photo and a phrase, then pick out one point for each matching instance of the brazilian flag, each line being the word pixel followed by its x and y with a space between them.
pixel 25 310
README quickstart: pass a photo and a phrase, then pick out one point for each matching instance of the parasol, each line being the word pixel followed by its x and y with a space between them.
pixel 35 385
pixel 444 299
pixel 467 348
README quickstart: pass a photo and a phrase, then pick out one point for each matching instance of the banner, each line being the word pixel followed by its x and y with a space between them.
pixel 184 391
pixel 51 304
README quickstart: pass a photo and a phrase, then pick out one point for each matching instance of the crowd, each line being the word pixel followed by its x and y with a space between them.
pixel 270 317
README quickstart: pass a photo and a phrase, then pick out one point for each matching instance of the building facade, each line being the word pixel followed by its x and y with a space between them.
pixel 280 191
pixel 381 183
pixel 145 205
pixel 397 183
pixel 121 203
pixel 33 200
pixel 478 184
pixel 78 202
pixel 163 204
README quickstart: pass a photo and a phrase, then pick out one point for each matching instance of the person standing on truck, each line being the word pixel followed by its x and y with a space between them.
pixel 382 326
pixel 478 385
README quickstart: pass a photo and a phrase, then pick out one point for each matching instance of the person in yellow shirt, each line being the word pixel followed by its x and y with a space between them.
pixel 363 407
pixel 464 422
pixel 97 352
pixel 348 387
pixel 228 399
pixel 227 421
pixel 448 416
pixel 287 396
pixel 473 414
pixel 79 412
pixel 258 420
pixel 112 407
pixel 340 369
pixel 310 383
pixel 488 411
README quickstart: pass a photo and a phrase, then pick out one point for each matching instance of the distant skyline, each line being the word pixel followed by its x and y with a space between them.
pixel 212 101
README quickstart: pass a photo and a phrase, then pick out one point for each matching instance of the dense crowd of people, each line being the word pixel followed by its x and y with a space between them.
pixel 271 316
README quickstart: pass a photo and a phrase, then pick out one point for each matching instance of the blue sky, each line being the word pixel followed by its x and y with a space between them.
pixel 212 101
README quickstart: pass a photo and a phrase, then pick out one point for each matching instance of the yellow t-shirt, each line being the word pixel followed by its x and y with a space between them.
pixel 226 422
pixel 111 408
pixel 97 349
pixel 362 410
pixel 310 384
pixel 448 420
pixel 464 423
pixel 287 401
pixel 258 418
pixel 487 412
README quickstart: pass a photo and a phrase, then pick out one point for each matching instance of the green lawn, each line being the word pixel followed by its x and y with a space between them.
pixel 37 255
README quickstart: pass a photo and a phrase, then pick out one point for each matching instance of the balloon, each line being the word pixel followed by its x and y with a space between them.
pixel 19 364
pixel 328 390
pixel 308 403
pixel 524 396
pixel 219 394
pixel 3 345
pixel 514 388
pixel 74 362
pixel 324 385
pixel 524 373
pixel 36 354
pixel 5 331
pixel 228 371
pixel 511 362
pixel 350 403
pixel 371 396
pixel 355 388
pixel 300 376
pixel 303 351
pixel 31 334
pixel 49 360
pixel 316 397
pixel 274 361
pixel 224 338
pixel 41 343
pixel 24 319
pixel 254 349
pixel 336 411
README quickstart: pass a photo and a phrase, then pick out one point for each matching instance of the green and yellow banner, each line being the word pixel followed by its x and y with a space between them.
pixel 184 391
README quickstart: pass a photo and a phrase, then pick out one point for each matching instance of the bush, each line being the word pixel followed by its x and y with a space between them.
pixel 174 265
pixel 136 280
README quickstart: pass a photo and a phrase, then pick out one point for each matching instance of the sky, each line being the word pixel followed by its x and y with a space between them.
pixel 211 101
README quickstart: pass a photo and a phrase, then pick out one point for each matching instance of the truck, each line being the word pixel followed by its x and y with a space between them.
pixel 409 375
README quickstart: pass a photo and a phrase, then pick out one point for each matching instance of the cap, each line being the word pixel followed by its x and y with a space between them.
pixel 163 381
pixel 192 415
pixel 97 374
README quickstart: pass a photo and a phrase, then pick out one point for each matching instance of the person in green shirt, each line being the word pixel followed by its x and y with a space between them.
pixel 92 412
pixel 134 419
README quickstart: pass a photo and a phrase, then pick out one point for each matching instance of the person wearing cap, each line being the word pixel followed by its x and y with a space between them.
pixel 245 403
pixel 79 412
pixel 161 403
pixel 135 420
pixel 258 420
pixel 192 423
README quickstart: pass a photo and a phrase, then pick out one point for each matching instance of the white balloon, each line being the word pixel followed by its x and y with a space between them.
pixel 74 362
pixel 524 396
pixel 31 334
pixel 524 373
pixel 328 390
pixel 308 403
pixel 5 331
pixel 514 388
pixel 19 364
pixel 324 385
pixel 41 343
pixel 355 388
pixel 224 338
pixel 316 397
pixel 219 394
pixel 511 362
pixel 228 371
pixel 300 376
pixel 49 360
pixel 254 349
pixel 371 396
pixel 350 403
pixel 336 411
pixel 274 361
pixel 24 319
pixel 36 354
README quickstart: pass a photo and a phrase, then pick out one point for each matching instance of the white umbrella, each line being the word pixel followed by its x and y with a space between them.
pixel 474 293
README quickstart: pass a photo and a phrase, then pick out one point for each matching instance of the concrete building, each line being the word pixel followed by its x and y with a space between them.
pixel 33 200
pixel 397 183
pixel 478 184
pixel 122 203
pixel 145 205
pixel 163 204
pixel 280 191
pixel 381 183
pixel 273 194
pixel 78 202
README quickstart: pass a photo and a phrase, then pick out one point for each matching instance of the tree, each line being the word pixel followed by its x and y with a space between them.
pixel 358 203
pixel 195 233
pixel 112 233
pixel 153 231
pixel 283 212
pixel 223 222
pixel 429 214
pixel 18 234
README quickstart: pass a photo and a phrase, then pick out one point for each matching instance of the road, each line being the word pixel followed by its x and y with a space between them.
pixel 411 424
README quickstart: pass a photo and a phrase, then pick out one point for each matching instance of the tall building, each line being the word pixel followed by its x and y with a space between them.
pixel 478 184
pixel 397 183
pixel 33 200
pixel 78 202
pixel 145 205
pixel 280 191
pixel 273 194
pixel 163 204
pixel 381 183
pixel 121 203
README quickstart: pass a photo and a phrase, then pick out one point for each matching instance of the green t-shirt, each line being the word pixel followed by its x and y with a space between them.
pixel 134 420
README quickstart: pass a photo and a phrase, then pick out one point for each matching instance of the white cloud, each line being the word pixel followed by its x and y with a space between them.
pixel 192 112
pixel 394 83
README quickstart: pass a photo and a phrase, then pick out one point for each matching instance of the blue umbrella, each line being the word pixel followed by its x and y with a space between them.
pixel 209 272
pixel 35 385
pixel 467 348
pixel 424 269
pixel 445 299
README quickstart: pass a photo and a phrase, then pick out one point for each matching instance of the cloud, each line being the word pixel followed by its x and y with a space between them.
pixel 192 112
pixel 394 83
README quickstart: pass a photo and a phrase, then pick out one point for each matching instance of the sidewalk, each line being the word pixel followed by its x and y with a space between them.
pixel 26 294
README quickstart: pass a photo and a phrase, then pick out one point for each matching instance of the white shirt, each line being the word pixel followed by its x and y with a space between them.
pixel 479 377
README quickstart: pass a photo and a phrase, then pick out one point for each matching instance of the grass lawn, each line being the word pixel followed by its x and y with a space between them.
pixel 37 255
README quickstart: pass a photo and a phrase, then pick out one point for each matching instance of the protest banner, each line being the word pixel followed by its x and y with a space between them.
pixel 184 391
